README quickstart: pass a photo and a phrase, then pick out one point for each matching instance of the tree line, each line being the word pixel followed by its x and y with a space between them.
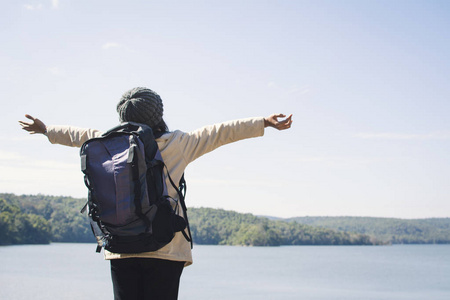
pixel 220 227
pixel 387 230
pixel 41 219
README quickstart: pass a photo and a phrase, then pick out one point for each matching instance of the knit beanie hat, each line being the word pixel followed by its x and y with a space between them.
pixel 141 105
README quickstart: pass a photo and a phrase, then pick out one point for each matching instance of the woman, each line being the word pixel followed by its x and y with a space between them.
pixel 156 275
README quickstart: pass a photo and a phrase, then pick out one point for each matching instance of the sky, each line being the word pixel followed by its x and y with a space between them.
pixel 366 82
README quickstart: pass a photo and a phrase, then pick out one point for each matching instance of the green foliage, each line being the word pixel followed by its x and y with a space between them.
pixel 388 230
pixel 31 219
pixel 17 227
pixel 39 219
pixel 220 227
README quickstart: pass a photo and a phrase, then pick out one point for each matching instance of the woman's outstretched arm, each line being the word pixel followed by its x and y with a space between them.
pixel 64 135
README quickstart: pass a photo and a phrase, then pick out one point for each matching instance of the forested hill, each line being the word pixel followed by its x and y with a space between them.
pixel 30 219
pixel 221 227
pixel 40 219
pixel 388 230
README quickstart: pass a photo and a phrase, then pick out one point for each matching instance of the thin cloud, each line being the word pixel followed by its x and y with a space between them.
pixel 8 156
pixel 20 138
pixel 403 136
pixel 294 89
pixel 226 182
pixel 56 71
pixel 55 4
pixel 32 7
pixel 300 90
pixel 333 160
pixel 20 161
pixel 111 45
pixel 26 175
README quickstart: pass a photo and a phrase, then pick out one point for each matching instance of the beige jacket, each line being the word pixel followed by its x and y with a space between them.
pixel 178 149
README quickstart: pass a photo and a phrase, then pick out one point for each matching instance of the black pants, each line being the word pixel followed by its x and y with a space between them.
pixel 145 278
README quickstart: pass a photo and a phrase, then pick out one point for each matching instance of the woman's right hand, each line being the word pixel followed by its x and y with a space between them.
pixel 37 126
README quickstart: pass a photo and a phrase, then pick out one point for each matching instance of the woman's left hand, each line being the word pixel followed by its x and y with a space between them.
pixel 37 126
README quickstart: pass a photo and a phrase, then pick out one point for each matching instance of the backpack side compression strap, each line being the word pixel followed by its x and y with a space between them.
pixel 181 190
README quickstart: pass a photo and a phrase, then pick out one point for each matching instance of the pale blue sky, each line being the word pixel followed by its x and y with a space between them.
pixel 367 82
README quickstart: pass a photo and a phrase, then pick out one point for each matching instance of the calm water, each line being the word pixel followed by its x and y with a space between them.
pixel 75 271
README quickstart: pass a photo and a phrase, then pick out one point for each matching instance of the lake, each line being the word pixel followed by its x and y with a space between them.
pixel 75 271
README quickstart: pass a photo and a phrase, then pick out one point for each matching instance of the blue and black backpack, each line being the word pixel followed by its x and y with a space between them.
pixel 128 205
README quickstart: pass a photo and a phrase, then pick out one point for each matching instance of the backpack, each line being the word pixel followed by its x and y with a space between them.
pixel 130 210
